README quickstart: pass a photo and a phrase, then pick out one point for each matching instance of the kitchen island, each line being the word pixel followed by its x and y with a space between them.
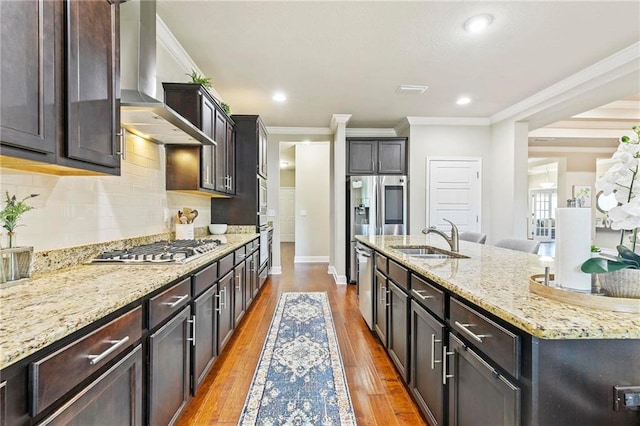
pixel 95 323
pixel 478 342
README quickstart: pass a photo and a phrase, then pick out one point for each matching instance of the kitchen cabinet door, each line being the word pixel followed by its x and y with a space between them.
pixel 478 394
pixel 114 398
pixel 208 156
pixel 93 92
pixel 225 310
pixel 262 150
pixel 362 157
pixel 220 136
pixel 238 293
pixel 248 280
pixel 30 77
pixel 255 273
pixel 398 331
pixel 392 157
pixel 169 369
pixel 380 312
pixel 427 335
pixel 231 157
pixel 205 340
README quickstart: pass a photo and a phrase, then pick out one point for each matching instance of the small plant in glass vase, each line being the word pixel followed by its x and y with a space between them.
pixel 620 277
pixel 10 215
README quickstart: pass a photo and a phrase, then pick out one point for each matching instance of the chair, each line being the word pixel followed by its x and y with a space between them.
pixel 529 246
pixel 474 237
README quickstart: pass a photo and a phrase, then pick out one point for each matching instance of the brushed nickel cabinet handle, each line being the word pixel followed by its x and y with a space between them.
pixel 115 344
pixel 433 351
pixel 177 302
pixel 445 376
pixel 477 337
pixel 419 294
pixel 122 135
pixel 192 339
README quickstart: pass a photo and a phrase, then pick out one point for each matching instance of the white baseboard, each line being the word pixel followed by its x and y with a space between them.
pixel 339 279
pixel 311 259
pixel 276 270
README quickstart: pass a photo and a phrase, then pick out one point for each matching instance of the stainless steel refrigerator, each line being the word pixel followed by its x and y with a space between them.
pixel 377 206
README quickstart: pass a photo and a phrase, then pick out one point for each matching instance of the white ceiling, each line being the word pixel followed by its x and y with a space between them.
pixel 339 57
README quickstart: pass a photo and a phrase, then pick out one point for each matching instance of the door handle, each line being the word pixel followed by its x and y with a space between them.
pixel 192 321
pixel 433 351
pixel 445 376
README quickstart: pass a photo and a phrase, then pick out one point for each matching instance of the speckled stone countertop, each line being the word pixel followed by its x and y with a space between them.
pixel 51 306
pixel 497 280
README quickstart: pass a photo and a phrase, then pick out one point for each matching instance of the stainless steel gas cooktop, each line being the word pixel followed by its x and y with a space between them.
pixel 168 252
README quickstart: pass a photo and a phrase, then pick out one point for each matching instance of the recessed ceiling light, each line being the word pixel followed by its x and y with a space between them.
pixel 411 88
pixel 463 100
pixel 478 23
pixel 279 97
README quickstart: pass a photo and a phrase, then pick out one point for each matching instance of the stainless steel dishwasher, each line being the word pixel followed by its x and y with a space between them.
pixel 364 256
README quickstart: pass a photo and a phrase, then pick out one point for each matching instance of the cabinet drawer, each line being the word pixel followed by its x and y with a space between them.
pixel 427 295
pixel 240 254
pixel 381 263
pixel 225 265
pixel 399 274
pixel 205 278
pixel 56 374
pixel 492 339
pixel 169 302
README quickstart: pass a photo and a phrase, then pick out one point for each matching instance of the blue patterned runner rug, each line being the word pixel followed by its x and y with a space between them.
pixel 300 378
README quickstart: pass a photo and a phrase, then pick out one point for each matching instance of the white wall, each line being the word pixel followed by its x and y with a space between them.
pixel 76 210
pixel 288 178
pixel 443 141
pixel 312 197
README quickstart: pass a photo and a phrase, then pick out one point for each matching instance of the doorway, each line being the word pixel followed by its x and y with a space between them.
pixel 287 214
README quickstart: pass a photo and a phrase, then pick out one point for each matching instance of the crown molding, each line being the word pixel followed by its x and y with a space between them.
pixel 299 130
pixel 339 119
pixel 572 149
pixel 625 61
pixel 382 133
pixel 448 121
pixel 402 126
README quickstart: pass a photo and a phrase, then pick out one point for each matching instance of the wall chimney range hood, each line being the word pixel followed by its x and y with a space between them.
pixel 140 112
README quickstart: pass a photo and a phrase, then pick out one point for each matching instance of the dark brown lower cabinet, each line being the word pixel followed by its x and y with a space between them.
pixel 398 330
pixel 204 342
pixel 381 294
pixel 114 398
pixel 478 394
pixel 255 273
pixel 169 369
pixel 238 294
pixel 225 310
pixel 427 334
pixel 248 281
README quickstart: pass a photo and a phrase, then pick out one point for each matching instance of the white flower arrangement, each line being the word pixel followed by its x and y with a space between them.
pixel 623 179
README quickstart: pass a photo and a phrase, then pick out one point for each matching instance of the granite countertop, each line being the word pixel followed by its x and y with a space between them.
pixel 497 280
pixel 51 306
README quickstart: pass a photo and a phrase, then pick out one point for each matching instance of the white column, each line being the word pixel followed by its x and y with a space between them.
pixel 338 223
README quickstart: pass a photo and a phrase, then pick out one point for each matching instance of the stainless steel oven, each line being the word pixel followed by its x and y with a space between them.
pixel 262 202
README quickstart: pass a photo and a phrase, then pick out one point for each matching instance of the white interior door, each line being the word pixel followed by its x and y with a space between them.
pixel 287 214
pixel 454 193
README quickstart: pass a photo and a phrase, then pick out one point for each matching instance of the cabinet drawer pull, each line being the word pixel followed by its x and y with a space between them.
pixel 122 135
pixel 387 298
pixel 115 344
pixel 433 351
pixel 177 302
pixel 419 294
pixel 192 339
pixel 445 376
pixel 477 337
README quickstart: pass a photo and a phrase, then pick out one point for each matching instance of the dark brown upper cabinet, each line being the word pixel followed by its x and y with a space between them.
pixel 383 156
pixel 212 170
pixel 60 109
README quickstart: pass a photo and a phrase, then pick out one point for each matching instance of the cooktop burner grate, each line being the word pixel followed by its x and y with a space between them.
pixel 178 252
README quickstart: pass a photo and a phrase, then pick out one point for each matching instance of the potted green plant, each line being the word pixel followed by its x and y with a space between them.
pixel 10 215
pixel 16 261
pixel 620 277
pixel 198 78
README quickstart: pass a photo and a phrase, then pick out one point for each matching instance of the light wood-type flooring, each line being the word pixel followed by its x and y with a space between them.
pixel 377 392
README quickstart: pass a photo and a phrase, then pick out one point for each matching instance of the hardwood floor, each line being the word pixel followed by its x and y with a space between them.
pixel 377 392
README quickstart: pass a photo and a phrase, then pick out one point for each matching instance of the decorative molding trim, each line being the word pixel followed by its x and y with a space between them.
pixel 276 270
pixel 402 126
pixel 311 259
pixel 338 119
pixel 299 130
pixel 577 133
pixel 339 279
pixel 623 58
pixel 383 133
pixel 572 149
pixel 448 121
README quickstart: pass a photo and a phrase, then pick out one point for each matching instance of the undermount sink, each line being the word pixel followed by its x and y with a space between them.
pixel 428 252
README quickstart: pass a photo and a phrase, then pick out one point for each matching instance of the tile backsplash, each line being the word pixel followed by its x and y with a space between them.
pixel 78 210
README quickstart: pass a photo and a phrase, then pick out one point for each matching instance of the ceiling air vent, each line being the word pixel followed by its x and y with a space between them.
pixel 411 89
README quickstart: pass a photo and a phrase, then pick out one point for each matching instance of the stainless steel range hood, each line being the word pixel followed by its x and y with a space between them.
pixel 140 112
